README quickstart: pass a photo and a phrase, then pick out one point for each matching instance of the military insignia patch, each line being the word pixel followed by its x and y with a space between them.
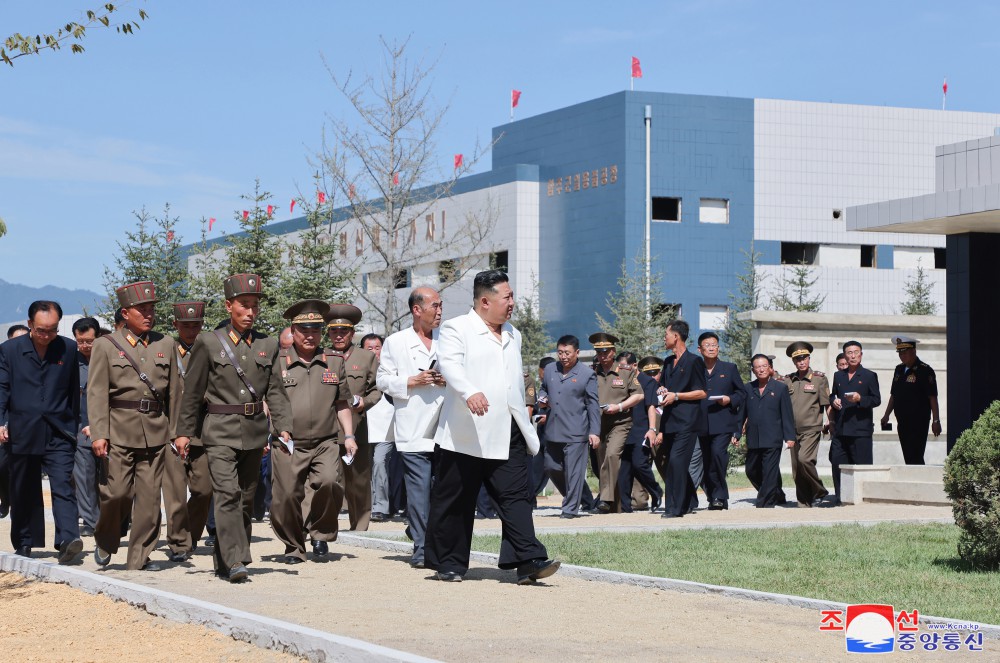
pixel 617 382
pixel 159 355
pixel 121 354
pixel 261 354
pixel 531 391
pixel 912 377
pixel 355 368
pixel 329 377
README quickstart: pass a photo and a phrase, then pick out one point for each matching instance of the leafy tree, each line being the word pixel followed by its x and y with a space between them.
pixel 737 335
pixel 918 294
pixel 205 276
pixel 639 328
pixel 382 163
pixel 795 291
pixel 150 252
pixel 529 320
pixel 3 228
pixel 18 45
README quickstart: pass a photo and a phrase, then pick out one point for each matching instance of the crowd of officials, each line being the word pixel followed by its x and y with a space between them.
pixel 438 424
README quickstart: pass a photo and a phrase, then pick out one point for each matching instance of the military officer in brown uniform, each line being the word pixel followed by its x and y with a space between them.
pixel 133 392
pixel 361 366
pixel 810 393
pixel 320 398
pixel 618 391
pixel 231 372
pixel 186 516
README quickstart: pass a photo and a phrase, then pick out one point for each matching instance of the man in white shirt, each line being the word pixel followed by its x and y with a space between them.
pixel 406 372
pixel 485 436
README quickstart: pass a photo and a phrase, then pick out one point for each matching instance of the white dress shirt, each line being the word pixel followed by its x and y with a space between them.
pixel 416 410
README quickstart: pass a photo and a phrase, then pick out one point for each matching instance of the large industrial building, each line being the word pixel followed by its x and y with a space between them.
pixel 570 191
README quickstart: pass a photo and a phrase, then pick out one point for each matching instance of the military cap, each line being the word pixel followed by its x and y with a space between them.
pixel 189 311
pixel 650 364
pixel 904 342
pixel 308 313
pixel 799 349
pixel 342 315
pixel 602 341
pixel 242 284
pixel 133 294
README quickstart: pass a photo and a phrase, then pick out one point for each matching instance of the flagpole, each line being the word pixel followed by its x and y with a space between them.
pixel 944 93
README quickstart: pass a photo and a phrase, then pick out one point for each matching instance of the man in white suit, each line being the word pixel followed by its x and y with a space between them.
pixel 485 436
pixel 406 372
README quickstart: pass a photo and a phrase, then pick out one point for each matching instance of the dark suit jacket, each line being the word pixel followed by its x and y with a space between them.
pixel 855 419
pixel 640 413
pixel 724 380
pixel 687 375
pixel 769 417
pixel 39 396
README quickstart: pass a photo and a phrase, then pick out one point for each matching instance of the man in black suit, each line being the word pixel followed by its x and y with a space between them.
pixel 12 331
pixel 722 414
pixel 770 425
pixel 854 396
pixel 39 413
pixel 682 386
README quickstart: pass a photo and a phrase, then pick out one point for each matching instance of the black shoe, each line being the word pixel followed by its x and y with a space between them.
pixel 4 510
pixel 151 566
pixel 448 576
pixel 238 573
pixel 102 558
pixel 718 505
pixel 68 550
pixel 178 557
pixel 379 517
pixel 23 551
pixel 86 530
pixel 655 506
pixel 210 541
pixel 603 507
pixel 536 569
pixel 418 564
pixel 671 515
pixel 568 515
pixel 320 548
pixel 409 535
pixel 292 559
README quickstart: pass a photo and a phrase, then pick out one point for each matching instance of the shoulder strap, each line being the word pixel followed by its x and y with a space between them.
pixel 232 360
pixel 142 376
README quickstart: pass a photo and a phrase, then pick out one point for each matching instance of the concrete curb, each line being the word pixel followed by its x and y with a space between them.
pixel 317 646
pixel 616 577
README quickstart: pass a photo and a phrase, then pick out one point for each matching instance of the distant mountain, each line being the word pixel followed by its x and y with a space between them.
pixel 15 299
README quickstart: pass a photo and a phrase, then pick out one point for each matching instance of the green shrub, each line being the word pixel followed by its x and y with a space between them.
pixel 972 482
pixel 737 455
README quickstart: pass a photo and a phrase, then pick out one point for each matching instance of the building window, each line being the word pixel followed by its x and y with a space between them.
pixel 666 209
pixel 402 279
pixel 500 260
pixel 447 271
pixel 712 317
pixel 714 210
pixel 939 259
pixel 364 283
pixel 868 255
pixel 799 253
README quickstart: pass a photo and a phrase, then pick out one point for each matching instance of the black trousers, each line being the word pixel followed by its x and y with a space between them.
pixel 397 486
pixel 27 511
pixel 913 440
pixel 674 460
pixel 457 479
pixel 635 464
pixel 846 450
pixel 715 460
pixel 536 465
pixel 764 471
pixel 4 475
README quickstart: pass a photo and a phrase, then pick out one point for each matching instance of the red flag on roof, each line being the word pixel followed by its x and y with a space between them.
pixel 320 197
pixel 515 96
pixel 170 235
pixel 636 68
pixel 246 215
pixel 211 222
pixel 458 161
pixel 395 179
pixel 291 208
pixel 351 192
pixel 945 86
pixel 270 210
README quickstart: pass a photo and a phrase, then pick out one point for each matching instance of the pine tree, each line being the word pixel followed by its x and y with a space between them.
pixel 737 335
pixel 639 329
pixel 795 291
pixel 530 321
pixel 918 295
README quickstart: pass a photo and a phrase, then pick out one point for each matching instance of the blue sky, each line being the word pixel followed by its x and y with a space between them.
pixel 207 96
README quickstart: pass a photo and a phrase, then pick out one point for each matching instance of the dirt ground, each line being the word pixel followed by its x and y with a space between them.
pixel 41 621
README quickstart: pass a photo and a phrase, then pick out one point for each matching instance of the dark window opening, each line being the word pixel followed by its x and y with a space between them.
pixel 868 255
pixel 447 271
pixel 799 253
pixel 402 279
pixel 500 260
pixel 666 209
pixel 940 260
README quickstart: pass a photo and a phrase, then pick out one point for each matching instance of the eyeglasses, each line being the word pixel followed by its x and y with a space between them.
pixel 852 353
pixel 84 344
pixel 710 346
pixel 45 332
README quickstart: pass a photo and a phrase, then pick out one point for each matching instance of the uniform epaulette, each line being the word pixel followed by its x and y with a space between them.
pixel 819 374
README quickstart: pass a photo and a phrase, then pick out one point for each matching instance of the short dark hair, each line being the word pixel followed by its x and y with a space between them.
pixel 570 340
pixel 119 315
pixel 13 329
pixel 629 357
pixel 44 305
pixel 850 343
pixel 370 337
pixel 84 325
pixel 416 297
pixel 761 356
pixel 708 334
pixel 680 327
pixel 839 357
pixel 488 280
pixel 104 332
pixel 545 361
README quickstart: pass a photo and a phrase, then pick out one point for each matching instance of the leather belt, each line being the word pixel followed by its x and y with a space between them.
pixel 246 409
pixel 146 405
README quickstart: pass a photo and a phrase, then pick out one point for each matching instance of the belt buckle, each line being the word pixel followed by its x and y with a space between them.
pixel 144 405
pixel 249 409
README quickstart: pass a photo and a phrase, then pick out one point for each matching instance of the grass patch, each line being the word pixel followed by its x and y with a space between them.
pixel 908 566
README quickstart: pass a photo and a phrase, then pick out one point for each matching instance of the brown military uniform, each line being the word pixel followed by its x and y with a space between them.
pixel 360 366
pixel 234 441
pixel 123 411
pixel 530 395
pixel 613 388
pixel 810 397
pixel 313 389
pixel 186 516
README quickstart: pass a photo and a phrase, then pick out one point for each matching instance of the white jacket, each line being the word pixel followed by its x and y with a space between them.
pixel 472 360
pixel 416 411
